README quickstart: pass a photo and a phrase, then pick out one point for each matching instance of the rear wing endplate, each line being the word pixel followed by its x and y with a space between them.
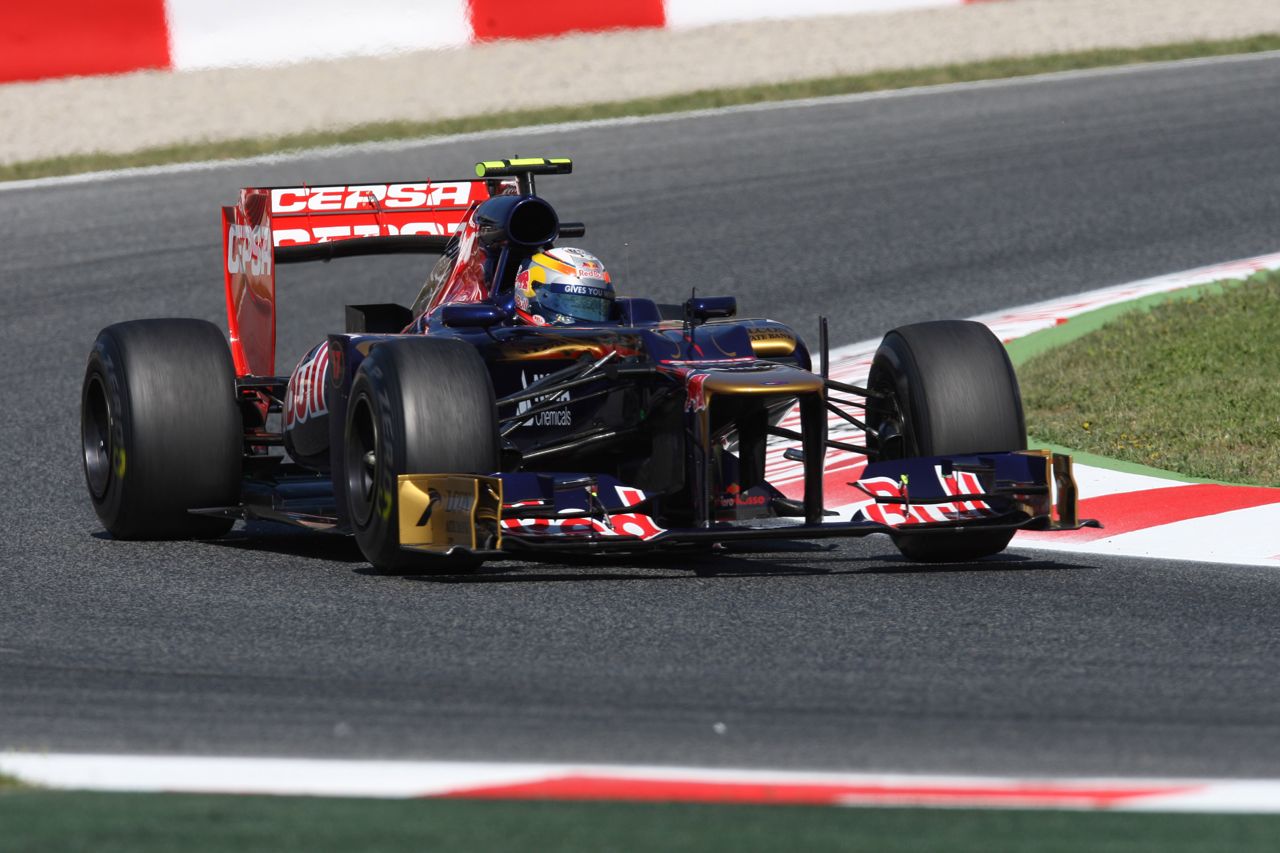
pixel 280 225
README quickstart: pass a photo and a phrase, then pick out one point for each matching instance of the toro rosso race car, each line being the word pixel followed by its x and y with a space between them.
pixel 519 406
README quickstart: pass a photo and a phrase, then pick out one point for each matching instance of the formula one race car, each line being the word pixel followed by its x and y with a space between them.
pixel 472 426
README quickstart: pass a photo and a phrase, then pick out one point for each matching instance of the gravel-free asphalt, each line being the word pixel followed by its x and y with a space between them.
pixel 877 212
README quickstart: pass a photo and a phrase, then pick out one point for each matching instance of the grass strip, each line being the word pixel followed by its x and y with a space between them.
pixel 1186 383
pixel 703 99
pixel 8 782
pixel 138 823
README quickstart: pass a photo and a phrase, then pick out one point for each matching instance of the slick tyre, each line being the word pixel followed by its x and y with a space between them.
pixel 417 406
pixel 949 388
pixel 160 430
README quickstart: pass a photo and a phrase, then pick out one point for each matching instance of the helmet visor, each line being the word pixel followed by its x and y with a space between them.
pixel 590 309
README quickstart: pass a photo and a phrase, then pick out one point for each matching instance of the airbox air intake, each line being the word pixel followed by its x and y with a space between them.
pixel 526 221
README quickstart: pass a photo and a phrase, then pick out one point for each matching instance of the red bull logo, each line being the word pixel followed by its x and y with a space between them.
pixel 305 398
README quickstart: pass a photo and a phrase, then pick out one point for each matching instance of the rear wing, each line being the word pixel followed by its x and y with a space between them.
pixel 280 225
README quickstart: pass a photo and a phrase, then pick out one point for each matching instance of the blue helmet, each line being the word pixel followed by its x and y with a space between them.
pixel 564 287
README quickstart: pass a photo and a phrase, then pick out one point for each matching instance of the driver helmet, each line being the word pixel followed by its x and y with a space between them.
pixel 563 287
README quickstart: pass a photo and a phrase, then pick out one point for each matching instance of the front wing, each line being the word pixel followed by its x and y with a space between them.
pixel 944 495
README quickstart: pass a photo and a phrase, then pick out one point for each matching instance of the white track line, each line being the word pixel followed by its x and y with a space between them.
pixel 566 127
pixel 416 779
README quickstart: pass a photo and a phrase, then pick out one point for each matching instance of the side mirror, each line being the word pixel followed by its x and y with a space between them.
pixel 472 315
pixel 710 307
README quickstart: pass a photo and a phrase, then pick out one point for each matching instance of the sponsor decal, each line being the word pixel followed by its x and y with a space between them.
pixel 248 249
pixel 766 342
pixel 305 236
pixel 620 524
pixel 552 418
pixel 459 501
pixel 307 215
pixel 425 194
pixel 305 396
pixel 962 483
pixel 734 497
pixel 457 506
pixel 897 514
pixel 583 290
pixel 629 496
pixel 635 524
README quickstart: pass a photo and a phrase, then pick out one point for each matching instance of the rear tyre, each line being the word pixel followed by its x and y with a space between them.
pixel 950 389
pixel 160 430
pixel 418 406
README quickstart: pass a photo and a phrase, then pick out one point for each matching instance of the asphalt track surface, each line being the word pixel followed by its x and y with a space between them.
pixel 877 212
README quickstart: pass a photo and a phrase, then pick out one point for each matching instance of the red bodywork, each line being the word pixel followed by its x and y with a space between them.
pixel 270 218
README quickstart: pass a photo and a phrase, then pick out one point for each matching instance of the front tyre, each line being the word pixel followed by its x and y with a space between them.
pixel 418 406
pixel 947 388
pixel 160 430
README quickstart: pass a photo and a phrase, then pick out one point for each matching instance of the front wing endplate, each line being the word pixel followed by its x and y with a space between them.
pixel 440 512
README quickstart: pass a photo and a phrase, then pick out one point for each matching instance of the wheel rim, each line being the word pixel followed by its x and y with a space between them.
pixel 884 414
pixel 95 436
pixel 361 460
